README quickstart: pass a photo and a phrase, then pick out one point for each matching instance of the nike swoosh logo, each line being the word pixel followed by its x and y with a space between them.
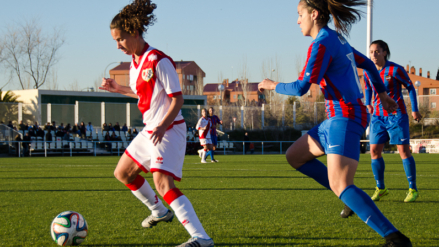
pixel 403 139
pixel 382 194
pixel 367 219
pixel 333 146
pixel 409 177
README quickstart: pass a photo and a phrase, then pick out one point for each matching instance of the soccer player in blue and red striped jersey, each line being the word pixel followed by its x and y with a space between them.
pixel 390 126
pixel 332 63
pixel 215 120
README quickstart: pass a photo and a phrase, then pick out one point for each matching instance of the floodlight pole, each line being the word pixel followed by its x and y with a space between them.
pixel 368 41
pixel 369 26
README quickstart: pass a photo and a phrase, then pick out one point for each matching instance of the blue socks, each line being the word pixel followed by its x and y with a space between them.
pixel 378 167
pixel 210 152
pixel 410 171
pixel 316 170
pixel 366 209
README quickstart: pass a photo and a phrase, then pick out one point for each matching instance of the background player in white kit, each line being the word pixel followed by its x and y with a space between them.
pixel 203 126
pixel 160 147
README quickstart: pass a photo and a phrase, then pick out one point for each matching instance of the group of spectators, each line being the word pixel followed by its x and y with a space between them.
pixel 66 132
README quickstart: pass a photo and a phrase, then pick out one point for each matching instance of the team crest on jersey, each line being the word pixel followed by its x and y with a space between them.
pixel 388 77
pixel 147 74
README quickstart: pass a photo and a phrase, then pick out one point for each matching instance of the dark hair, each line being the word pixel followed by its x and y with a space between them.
pixel 136 16
pixel 383 45
pixel 342 11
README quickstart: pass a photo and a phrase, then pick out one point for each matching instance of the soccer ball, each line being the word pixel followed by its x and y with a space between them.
pixel 68 228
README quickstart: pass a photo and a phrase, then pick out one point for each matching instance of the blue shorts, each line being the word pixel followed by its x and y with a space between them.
pixel 214 138
pixel 394 129
pixel 339 135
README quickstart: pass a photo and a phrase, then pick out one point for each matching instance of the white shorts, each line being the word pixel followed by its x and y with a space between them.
pixel 167 157
pixel 205 141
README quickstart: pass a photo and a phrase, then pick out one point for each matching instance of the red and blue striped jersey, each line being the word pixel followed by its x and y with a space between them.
pixel 214 120
pixel 332 63
pixel 393 76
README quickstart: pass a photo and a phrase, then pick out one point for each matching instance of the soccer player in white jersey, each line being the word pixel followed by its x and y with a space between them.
pixel 160 147
pixel 203 126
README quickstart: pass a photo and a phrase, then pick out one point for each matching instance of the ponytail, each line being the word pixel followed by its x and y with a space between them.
pixel 343 12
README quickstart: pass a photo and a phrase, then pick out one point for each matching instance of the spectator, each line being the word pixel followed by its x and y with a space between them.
pixel 40 133
pixel 105 127
pixel 252 148
pixel 75 129
pixel 117 126
pixel 189 128
pixel 247 142
pixel 124 128
pixel 22 126
pixel 107 138
pixel 10 125
pixel 36 126
pixel 32 131
pixel 114 137
pixel 17 144
pixel 82 130
pixel 110 127
pixel 59 133
pixel 26 142
pixel 61 127
pixel 135 132
pixel 66 136
pixel 89 127
pixel 48 127
pixel 53 127
pixel 68 128
pixel 49 136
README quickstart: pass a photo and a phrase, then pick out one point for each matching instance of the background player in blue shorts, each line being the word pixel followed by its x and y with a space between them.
pixel 390 126
pixel 215 120
pixel 332 63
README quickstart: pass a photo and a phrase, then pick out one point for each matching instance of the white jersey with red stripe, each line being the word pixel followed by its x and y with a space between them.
pixel 204 123
pixel 155 80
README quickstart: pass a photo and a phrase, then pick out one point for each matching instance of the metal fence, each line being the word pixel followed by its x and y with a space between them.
pixel 300 115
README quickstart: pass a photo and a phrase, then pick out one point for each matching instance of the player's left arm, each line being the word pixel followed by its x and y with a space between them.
pixel 167 75
pixel 403 78
pixel 219 121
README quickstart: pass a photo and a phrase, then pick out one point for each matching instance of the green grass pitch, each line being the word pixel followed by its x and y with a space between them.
pixel 252 200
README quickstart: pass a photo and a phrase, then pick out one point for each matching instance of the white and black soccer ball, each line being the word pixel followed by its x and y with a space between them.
pixel 69 228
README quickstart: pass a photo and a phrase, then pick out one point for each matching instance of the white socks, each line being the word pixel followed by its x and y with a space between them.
pixel 143 191
pixel 185 213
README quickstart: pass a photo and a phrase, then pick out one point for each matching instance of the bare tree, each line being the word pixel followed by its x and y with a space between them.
pixel 30 52
pixel 52 80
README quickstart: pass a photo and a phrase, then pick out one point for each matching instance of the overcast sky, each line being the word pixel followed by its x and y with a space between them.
pixel 220 36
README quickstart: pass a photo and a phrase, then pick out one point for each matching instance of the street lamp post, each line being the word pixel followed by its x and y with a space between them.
pixel 221 89
pixel 271 78
pixel 105 71
pixel 417 85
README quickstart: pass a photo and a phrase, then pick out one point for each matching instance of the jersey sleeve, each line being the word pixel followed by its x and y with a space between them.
pixel 200 124
pixel 318 61
pixel 365 63
pixel 168 76
pixel 367 89
pixel 402 77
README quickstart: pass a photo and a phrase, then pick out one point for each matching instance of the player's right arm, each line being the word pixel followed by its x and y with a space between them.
pixel 199 125
pixel 111 85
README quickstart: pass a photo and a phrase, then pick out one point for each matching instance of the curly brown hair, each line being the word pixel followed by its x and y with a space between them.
pixel 136 16
pixel 343 12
